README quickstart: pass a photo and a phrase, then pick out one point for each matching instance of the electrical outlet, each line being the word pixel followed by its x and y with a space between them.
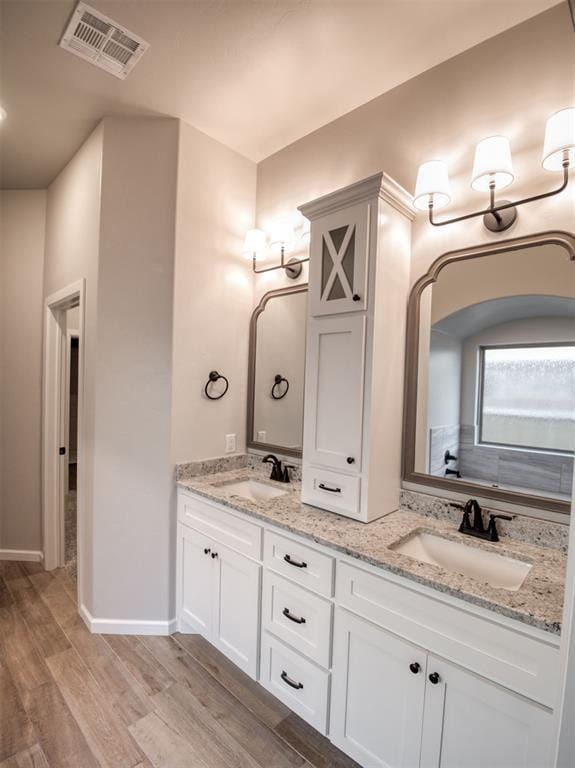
pixel 262 436
pixel 230 443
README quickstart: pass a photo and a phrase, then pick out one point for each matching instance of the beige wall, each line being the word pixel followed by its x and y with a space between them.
pixel 545 270
pixel 213 296
pixel 510 84
pixel 72 252
pixel 281 340
pixel 22 221
pixel 133 510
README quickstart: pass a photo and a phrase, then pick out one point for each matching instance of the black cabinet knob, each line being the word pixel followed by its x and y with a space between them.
pixel 434 678
pixel 214 554
pixel 350 460
pixel 414 667
pixel 356 297
pixel 207 551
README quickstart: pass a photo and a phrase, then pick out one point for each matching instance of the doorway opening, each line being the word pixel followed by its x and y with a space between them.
pixel 72 353
pixel 62 475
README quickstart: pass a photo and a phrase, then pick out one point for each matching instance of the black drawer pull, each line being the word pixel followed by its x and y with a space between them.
pixel 207 550
pixel 331 490
pixel 286 679
pixel 414 667
pixel 350 460
pixel 214 555
pixel 356 297
pixel 295 563
pixel 295 619
pixel 434 678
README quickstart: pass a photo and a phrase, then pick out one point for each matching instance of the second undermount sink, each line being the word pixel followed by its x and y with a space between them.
pixel 498 570
pixel 252 490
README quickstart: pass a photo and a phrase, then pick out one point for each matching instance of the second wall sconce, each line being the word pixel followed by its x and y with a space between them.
pixel 283 235
pixel 493 170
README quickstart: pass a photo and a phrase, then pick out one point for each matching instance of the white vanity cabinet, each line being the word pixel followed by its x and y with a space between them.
pixel 396 706
pixel 358 288
pixel 218 589
pixel 469 722
pixel 394 673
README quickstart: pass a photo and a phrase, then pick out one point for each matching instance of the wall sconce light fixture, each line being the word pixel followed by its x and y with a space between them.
pixel 493 170
pixel 283 236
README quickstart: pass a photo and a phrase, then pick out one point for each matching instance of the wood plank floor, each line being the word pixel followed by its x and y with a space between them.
pixel 70 699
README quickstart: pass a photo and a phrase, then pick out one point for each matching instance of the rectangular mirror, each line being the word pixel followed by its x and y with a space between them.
pixel 276 372
pixel 490 391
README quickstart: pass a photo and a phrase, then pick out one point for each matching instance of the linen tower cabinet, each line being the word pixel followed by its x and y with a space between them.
pixel 358 290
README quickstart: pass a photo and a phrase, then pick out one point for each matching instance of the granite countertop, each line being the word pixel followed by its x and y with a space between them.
pixel 538 602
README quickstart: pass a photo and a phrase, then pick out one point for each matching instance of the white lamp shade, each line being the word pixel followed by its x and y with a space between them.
pixel 254 242
pixel 432 184
pixel 492 164
pixel 282 231
pixel 559 140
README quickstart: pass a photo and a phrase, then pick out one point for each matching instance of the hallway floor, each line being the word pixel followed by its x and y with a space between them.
pixel 70 699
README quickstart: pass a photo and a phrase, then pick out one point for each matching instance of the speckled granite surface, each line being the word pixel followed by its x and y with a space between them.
pixel 539 601
pixel 521 528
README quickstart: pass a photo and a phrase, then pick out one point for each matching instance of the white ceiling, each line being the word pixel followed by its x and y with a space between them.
pixel 254 74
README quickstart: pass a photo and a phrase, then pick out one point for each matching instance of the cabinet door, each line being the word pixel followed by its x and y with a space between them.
pixel 377 700
pixel 338 261
pixel 237 607
pixel 196 584
pixel 334 392
pixel 471 723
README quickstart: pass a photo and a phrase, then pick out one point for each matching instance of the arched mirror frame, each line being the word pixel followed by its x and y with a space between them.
pixel 250 442
pixel 563 239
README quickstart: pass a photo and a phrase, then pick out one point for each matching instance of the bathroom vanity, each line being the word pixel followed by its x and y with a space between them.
pixel 353 597
pixel 395 660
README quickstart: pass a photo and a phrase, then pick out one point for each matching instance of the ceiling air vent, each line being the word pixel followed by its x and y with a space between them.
pixel 100 40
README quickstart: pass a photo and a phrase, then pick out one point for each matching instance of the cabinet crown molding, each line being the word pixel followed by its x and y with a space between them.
pixel 379 185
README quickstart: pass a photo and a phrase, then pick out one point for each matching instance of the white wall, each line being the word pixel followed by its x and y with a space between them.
pixel 213 297
pixel 444 380
pixel 22 222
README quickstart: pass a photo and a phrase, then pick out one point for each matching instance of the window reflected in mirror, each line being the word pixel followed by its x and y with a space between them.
pixel 496 372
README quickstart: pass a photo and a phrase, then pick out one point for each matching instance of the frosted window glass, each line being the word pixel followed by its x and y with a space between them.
pixel 529 397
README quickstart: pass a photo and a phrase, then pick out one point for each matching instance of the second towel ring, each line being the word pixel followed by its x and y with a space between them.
pixel 278 379
pixel 212 378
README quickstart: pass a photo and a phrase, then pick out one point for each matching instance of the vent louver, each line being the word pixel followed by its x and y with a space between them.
pixel 101 41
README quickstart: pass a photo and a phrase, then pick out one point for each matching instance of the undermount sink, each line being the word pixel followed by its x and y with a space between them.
pixel 253 490
pixel 497 570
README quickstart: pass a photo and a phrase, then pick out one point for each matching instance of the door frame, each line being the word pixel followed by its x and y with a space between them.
pixel 54 423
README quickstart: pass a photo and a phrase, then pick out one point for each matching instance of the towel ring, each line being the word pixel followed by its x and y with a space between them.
pixel 278 379
pixel 213 377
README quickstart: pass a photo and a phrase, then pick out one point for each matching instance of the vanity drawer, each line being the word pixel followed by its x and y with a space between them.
pixel 239 534
pixel 305 565
pixel 524 662
pixel 298 617
pixel 297 682
pixel 333 491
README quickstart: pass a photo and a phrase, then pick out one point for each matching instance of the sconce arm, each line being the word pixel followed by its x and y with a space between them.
pixel 494 209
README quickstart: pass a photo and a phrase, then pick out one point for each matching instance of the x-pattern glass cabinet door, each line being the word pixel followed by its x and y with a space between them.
pixel 339 254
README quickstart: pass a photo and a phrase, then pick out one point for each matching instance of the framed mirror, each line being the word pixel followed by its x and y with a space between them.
pixel 276 372
pixel 490 373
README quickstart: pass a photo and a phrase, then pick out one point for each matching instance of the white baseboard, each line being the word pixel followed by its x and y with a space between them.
pixel 126 627
pixel 29 555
